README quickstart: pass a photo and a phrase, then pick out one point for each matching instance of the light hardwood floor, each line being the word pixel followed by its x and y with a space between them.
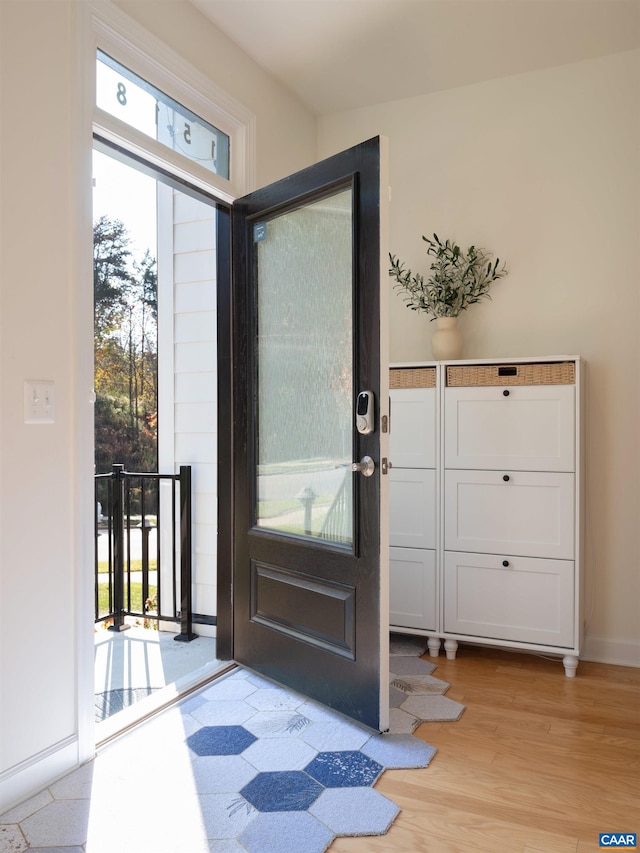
pixel 538 763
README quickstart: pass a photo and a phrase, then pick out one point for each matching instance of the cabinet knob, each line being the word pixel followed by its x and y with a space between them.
pixel 506 392
pixel 505 563
pixel 506 478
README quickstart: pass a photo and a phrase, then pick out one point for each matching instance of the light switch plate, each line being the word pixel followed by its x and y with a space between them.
pixel 39 401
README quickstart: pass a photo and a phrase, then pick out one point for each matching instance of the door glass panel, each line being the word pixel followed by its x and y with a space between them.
pixel 305 353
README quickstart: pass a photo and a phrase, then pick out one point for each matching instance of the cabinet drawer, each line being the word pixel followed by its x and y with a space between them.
pixel 412 507
pixel 529 428
pixel 530 514
pixel 412 588
pixel 529 601
pixel 412 440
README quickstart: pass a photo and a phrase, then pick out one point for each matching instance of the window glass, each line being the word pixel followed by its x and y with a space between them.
pixel 305 358
pixel 131 99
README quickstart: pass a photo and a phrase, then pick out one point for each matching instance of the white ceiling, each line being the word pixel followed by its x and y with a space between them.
pixel 343 54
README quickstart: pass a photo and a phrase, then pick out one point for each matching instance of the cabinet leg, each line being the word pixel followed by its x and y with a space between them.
pixel 570 665
pixel 451 647
pixel 434 646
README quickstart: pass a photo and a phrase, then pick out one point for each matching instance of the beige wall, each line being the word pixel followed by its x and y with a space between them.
pixel 37 474
pixel 544 170
pixel 46 472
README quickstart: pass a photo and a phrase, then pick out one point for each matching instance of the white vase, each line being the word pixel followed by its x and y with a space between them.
pixel 446 341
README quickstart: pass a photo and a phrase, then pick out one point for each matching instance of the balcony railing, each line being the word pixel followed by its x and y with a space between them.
pixel 143 548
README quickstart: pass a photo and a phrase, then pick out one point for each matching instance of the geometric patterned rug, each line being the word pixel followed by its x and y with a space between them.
pixel 242 766
pixel 415 696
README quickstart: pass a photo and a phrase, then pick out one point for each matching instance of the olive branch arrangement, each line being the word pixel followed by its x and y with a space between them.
pixel 457 279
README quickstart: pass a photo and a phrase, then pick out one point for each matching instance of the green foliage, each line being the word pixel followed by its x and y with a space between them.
pixel 111 274
pixel 126 363
pixel 135 566
pixel 136 598
pixel 458 279
pixel 116 441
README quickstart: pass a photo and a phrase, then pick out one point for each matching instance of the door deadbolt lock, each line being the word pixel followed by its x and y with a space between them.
pixel 366 467
pixel 364 412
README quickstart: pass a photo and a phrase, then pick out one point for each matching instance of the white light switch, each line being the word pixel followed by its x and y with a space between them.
pixel 39 402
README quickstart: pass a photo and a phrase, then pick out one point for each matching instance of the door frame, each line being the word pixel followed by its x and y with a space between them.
pixel 226 512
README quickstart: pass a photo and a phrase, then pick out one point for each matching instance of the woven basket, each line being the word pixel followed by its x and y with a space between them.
pixel 412 377
pixel 553 373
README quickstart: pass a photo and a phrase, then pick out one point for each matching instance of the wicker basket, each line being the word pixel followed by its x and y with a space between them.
pixel 553 373
pixel 412 377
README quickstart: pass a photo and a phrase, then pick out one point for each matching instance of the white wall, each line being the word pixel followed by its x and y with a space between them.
pixel 46 477
pixel 38 570
pixel 544 170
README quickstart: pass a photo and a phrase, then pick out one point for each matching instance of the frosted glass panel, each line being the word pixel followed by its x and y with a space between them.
pixel 305 352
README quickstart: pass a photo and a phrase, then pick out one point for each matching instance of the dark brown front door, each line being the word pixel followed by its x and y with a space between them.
pixel 310 553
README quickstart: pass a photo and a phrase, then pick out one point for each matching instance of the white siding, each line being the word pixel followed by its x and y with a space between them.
pixel 188 407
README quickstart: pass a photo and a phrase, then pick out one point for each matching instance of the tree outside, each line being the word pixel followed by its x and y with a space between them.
pixel 126 351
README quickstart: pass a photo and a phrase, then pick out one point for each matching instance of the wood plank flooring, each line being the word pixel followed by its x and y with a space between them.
pixel 538 763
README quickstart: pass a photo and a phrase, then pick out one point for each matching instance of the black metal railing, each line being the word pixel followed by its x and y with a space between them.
pixel 337 523
pixel 142 546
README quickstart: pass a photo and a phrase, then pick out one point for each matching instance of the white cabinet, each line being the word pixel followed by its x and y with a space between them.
pixel 520 512
pixel 522 599
pixel 412 499
pixel 529 428
pixel 413 418
pixel 412 597
pixel 413 495
pixel 499 510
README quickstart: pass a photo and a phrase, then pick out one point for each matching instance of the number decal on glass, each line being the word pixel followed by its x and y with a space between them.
pixel 142 106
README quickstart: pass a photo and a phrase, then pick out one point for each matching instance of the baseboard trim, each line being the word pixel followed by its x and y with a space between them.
pixel 37 772
pixel 615 652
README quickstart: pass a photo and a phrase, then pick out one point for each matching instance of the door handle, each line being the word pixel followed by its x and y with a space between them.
pixel 366 467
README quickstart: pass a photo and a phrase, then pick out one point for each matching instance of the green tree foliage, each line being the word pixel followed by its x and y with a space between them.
pixel 126 358
pixel 111 274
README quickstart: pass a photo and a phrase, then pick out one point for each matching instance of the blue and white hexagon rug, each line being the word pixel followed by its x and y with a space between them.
pixel 243 766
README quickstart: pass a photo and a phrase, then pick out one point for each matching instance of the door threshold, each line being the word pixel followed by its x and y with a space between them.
pixel 124 721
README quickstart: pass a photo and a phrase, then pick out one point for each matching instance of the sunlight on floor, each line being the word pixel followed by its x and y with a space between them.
pixel 139 670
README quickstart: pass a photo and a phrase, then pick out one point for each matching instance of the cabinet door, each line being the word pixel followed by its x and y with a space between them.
pixel 412 440
pixel 412 588
pixel 529 601
pixel 530 514
pixel 412 507
pixel 529 428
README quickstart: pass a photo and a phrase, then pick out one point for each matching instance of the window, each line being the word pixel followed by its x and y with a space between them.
pixel 133 100
pixel 152 103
